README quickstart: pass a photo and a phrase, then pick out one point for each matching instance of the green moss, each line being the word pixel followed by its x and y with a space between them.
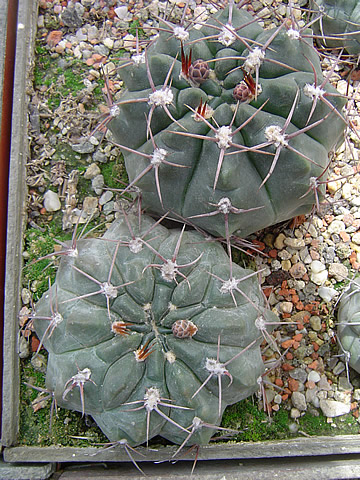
pixel 254 424
pixel 114 172
pixel 134 27
pixel 35 426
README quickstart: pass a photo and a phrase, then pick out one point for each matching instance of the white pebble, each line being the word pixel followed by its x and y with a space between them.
pixel 327 293
pixel 51 201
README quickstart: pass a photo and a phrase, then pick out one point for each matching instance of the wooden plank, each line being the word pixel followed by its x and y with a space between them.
pixel 294 469
pixel 26 29
pixel 303 446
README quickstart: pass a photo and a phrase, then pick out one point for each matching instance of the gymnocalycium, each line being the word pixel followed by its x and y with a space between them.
pixel 152 332
pixel 337 25
pixel 229 125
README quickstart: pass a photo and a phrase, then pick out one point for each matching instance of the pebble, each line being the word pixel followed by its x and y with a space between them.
pixel 106 197
pixel 339 368
pixel 332 408
pixel 299 401
pixel 279 241
pixel 312 397
pixel 327 293
pixel 296 243
pixel 315 323
pixel 298 270
pixel 51 201
pixel 313 376
pixel 298 374
pixel 319 273
pixel 92 171
pixel 323 383
pixel 97 184
pixel 23 347
pixel 90 205
pixel 338 271
pixel 39 363
pixel 295 413
pixel 85 147
pixel 356 238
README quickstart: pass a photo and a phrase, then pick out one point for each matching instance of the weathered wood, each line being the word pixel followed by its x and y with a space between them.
pixel 304 446
pixel 26 29
pixel 294 469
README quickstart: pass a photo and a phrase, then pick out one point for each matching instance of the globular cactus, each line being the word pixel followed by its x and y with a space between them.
pixel 235 146
pixel 348 329
pixel 338 25
pixel 152 332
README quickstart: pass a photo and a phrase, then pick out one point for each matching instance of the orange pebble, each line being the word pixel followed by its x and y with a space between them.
pixel 287 343
pixel 293 384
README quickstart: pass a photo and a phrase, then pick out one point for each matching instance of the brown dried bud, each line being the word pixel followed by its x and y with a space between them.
pixel 242 92
pixel 199 71
pixel 184 328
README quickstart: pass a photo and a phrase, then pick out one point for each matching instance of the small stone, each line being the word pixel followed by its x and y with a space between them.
pixel 338 271
pixel 122 13
pixel 327 293
pixel 99 157
pixel 295 413
pixel 317 267
pixel 315 323
pixel 51 201
pixel 278 399
pixel 311 397
pixel 296 243
pixel 332 408
pixel 97 184
pixel 92 171
pixel 106 197
pixel 24 347
pixel 323 383
pixel 293 427
pixel 26 296
pixel 109 69
pixel 299 374
pixel 286 307
pixel 319 273
pixel 299 401
pixel 286 265
pixel 356 394
pixel 298 270
pixel 344 384
pixel 93 33
pixel 39 363
pixel 313 376
pixel 356 238
pixel 336 226
pixel 90 205
pixel 279 241
pixel 85 147
pixel 109 43
pixel 339 368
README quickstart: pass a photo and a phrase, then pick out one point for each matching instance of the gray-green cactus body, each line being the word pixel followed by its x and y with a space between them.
pixel 349 324
pixel 339 19
pixel 141 324
pixel 195 147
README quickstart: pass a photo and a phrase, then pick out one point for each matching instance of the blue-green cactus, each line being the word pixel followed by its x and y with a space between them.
pixel 190 147
pixel 338 25
pixel 349 325
pixel 152 332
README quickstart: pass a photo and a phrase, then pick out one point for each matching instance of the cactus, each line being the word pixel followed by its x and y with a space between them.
pixel 152 332
pixel 338 25
pixel 348 329
pixel 228 126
